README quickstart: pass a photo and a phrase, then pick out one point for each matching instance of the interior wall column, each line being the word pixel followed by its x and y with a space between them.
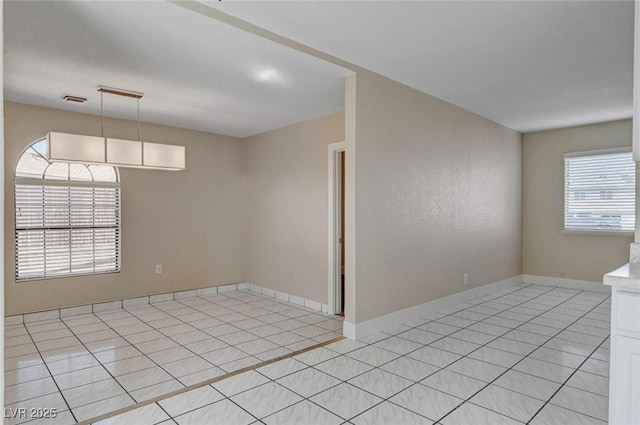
pixel 634 256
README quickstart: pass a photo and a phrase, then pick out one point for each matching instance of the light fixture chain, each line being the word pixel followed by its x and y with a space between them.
pixel 117 152
pixel 101 113
pixel 141 144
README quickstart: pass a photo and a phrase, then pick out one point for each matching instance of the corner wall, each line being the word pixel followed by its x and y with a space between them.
pixel 546 250
pixel 190 221
pixel 286 207
pixel 438 194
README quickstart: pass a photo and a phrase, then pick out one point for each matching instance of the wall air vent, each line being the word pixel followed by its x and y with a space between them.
pixel 73 99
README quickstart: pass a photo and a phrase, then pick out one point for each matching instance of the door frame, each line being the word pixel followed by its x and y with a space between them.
pixel 335 293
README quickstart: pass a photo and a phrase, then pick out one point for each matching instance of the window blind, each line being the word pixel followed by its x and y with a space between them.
pixel 64 229
pixel 600 188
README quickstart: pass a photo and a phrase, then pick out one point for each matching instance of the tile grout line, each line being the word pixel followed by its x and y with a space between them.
pixel 128 314
pixel 51 376
pixel 387 399
pixel 203 384
pixel 477 321
pixel 104 322
pixel 230 323
pixel 101 364
pixel 135 371
pixel 164 410
pixel 401 355
pixel 273 381
pixel 167 336
pixel 303 398
pixel 231 345
pixel 93 352
pixel 242 408
pixel 264 297
pixel 185 323
pixel 567 380
pixel 388 336
pixel 158 330
pixel 548 309
pixel 147 355
pixel 259 366
pixel 540 345
pixel 526 356
pixel 590 373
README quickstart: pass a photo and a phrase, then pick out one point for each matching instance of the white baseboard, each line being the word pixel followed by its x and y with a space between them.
pixel 349 330
pixel 156 298
pixel 117 304
pixel 368 327
pixel 314 305
pixel 584 285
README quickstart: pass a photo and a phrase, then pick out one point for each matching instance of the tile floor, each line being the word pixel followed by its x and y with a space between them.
pixel 88 365
pixel 530 354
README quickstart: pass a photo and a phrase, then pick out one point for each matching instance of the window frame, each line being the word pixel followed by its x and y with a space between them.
pixel 594 232
pixel 68 182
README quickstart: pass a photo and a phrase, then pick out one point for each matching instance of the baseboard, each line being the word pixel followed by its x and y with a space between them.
pixel 152 299
pixel 118 304
pixel 368 327
pixel 314 305
pixel 350 330
pixel 584 285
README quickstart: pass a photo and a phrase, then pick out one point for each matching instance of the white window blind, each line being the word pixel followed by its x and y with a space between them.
pixel 66 229
pixel 600 189
pixel 67 217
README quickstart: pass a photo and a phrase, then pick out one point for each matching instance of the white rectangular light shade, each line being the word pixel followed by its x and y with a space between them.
pixel 158 155
pixel 117 152
pixel 124 152
pixel 75 148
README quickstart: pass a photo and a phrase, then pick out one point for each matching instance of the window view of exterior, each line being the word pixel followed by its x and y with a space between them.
pixel 67 218
pixel 600 191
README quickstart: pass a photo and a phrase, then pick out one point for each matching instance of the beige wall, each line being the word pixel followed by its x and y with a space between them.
pixel 350 90
pixel 438 194
pixel 191 222
pixel 546 251
pixel 286 207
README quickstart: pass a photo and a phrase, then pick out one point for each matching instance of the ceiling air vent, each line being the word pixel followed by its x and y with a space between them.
pixel 73 99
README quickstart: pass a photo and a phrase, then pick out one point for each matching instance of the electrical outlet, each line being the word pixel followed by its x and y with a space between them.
pixel 466 278
pixel 158 268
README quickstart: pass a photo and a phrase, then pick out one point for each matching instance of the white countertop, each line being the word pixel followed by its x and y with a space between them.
pixel 627 276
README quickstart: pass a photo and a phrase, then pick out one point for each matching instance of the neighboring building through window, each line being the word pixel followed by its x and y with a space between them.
pixel 600 191
pixel 67 217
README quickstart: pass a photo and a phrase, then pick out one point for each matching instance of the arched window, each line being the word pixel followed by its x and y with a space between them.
pixel 67 217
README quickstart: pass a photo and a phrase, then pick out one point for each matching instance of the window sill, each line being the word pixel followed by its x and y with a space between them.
pixel 67 276
pixel 598 232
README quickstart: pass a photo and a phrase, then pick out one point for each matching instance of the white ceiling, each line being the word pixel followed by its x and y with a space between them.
pixel 526 65
pixel 195 72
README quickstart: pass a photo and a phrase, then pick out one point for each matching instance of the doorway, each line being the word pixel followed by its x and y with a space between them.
pixel 336 228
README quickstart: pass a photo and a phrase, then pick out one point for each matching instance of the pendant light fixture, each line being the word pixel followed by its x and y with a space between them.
pixel 117 152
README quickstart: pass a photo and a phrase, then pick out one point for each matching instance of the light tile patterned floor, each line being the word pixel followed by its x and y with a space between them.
pixel 530 354
pixel 88 365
